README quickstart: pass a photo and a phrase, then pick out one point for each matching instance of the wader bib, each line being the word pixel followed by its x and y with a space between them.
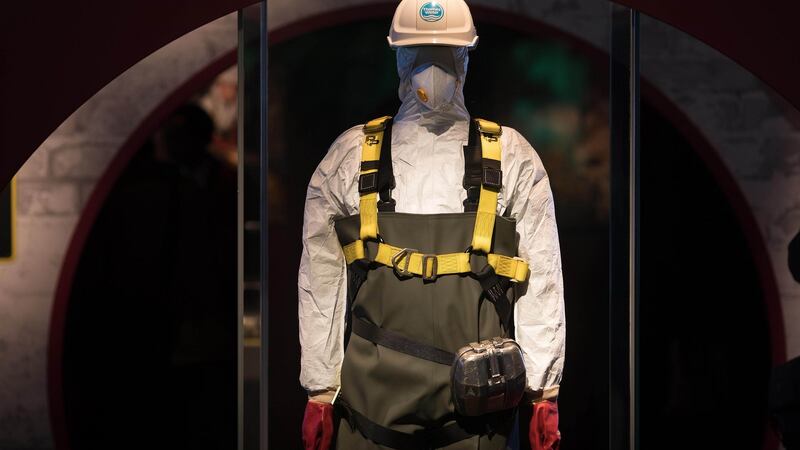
pixel 421 286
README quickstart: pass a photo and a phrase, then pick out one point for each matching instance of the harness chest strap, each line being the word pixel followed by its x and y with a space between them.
pixel 430 266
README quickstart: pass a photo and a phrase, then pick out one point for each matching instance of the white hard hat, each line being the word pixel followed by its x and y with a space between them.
pixel 433 22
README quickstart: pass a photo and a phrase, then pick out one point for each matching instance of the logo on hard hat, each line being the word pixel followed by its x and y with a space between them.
pixel 431 12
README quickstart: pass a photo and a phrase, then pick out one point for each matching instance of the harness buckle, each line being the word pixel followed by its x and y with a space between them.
pixel 490 129
pixel 388 205
pixel 434 267
pixel 404 253
pixel 492 178
pixel 376 126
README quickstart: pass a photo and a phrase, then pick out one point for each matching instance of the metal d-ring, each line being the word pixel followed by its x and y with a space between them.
pixel 406 252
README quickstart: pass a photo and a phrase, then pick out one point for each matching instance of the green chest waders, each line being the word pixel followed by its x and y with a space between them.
pixel 421 286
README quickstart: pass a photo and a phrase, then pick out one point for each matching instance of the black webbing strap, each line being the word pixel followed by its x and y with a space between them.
pixel 420 440
pixel 356 276
pixel 400 343
pixel 386 172
pixel 494 288
pixel 473 168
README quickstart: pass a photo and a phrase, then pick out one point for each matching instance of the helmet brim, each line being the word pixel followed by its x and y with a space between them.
pixel 432 40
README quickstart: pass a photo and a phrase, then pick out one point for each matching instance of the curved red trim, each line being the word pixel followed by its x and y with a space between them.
pixel 384 9
pixel 84 227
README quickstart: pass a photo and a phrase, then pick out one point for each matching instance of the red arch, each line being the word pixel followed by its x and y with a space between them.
pixel 362 12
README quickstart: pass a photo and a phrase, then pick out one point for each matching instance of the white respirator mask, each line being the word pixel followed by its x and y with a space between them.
pixel 433 86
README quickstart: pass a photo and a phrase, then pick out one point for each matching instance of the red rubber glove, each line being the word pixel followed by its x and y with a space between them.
pixel 543 432
pixel 318 426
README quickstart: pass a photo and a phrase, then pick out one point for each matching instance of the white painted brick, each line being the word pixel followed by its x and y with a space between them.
pixel 36 198
pixel 85 161
pixel 41 245
pixel 35 168
pixel 23 351
pixel 86 191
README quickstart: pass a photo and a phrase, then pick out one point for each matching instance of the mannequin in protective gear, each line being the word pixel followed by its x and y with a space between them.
pixel 420 196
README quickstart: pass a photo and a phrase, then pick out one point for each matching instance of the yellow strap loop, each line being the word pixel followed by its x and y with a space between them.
pixel 369 216
pixel 487 204
pixel 422 265
pixel 515 268
pixel 419 264
pixel 354 251
pixel 371 151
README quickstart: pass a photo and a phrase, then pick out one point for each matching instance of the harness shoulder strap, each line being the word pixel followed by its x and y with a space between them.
pixel 491 182
pixel 368 181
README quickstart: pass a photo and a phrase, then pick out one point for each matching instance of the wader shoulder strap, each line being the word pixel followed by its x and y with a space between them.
pixel 491 182
pixel 368 179
pixel 386 172
pixel 400 343
pixel 473 168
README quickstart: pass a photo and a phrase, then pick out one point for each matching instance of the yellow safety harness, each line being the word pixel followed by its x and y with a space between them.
pixel 410 262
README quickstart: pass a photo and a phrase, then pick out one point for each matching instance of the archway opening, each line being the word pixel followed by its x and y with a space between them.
pixel 150 332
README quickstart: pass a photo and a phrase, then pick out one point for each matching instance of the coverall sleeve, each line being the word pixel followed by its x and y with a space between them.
pixel 539 311
pixel 322 276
